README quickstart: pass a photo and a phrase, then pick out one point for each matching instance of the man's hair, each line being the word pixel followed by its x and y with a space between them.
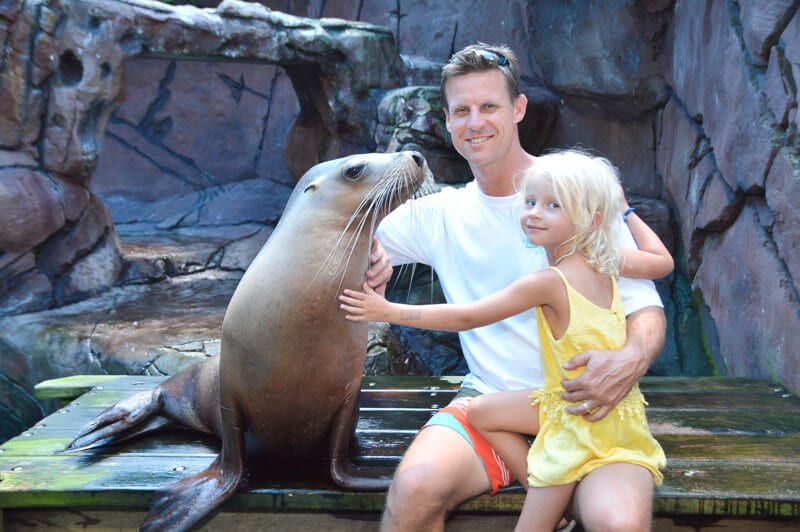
pixel 482 57
pixel 584 185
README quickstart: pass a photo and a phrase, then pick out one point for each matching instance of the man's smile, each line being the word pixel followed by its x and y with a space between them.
pixel 478 140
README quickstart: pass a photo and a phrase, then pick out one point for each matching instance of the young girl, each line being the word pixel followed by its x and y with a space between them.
pixel 572 203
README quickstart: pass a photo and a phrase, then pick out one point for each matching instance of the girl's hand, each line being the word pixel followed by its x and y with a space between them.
pixel 364 306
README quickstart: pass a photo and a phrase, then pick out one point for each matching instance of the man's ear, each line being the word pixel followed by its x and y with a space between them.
pixel 446 119
pixel 520 106
pixel 596 219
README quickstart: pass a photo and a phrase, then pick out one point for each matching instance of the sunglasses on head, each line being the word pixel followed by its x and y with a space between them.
pixel 488 55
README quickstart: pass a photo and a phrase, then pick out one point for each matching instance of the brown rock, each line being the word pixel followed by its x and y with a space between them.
pixel 783 192
pixel 699 41
pixel 743 281
pixel 76 240
pixel 17 27
pixel 31 291
pixel 762 24
pixel 92 273
pixel 233 103
pixel 600 63
pixel 777 88
pixel 718 207
pixel 30 209
pixel 627 144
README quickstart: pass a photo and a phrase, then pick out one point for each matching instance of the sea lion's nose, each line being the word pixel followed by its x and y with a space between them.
pixel 418 158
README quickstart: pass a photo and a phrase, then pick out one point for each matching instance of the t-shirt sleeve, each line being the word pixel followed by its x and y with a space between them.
pixel 636 293
pixel 407 233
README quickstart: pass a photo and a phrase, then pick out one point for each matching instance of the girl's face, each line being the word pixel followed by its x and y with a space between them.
pixel 543 221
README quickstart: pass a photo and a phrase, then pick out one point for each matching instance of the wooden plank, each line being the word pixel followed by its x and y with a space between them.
pixel 119 521
pixel 392 411
pixel 648 384
pixel 76 385
pixel 761 447
pixel 106 481
pixel 709 401
pixel 652 384
pixel 721 422
pixel 389 445
pixel 127 521
pixel 732 446
pixel 70 387
pixel 381 426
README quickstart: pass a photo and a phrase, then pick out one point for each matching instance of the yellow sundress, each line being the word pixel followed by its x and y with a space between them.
pixel 567 446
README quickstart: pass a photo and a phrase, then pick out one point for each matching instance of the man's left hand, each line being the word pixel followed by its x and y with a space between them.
pixel 610 375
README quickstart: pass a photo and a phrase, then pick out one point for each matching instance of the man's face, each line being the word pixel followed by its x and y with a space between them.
pixel 481 117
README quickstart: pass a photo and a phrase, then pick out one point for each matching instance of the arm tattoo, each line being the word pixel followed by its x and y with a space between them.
pixel 414 314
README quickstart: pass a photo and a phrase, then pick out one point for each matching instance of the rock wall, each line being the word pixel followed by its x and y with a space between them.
pixel 727 152
pixel 695 101
pixel 63 68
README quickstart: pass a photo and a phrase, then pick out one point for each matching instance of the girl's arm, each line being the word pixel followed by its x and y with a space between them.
pixel 651 260
pixel 531 290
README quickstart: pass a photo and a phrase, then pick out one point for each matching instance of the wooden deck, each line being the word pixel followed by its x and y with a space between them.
pixel 732 445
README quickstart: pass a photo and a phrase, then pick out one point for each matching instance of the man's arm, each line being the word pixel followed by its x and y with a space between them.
pixel 610 375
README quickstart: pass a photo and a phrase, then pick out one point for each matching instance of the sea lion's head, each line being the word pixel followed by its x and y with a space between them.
pixel 364 187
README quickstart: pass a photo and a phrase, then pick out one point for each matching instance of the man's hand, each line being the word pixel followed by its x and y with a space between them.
pixel 610 375
pixel 380 268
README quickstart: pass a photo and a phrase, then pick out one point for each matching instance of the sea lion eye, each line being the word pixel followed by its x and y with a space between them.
pixel 354 172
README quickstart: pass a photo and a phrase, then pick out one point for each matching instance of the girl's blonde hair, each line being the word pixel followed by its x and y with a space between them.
pixel 584 185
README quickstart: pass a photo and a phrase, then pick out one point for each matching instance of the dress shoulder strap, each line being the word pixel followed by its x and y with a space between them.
pixel 560 273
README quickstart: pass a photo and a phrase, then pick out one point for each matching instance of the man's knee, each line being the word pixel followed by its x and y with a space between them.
pixel 413 502
pixel 413 487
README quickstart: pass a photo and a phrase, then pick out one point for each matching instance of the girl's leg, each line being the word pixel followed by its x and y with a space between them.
pixel 544 507
pixel 503 419
pixel 615 497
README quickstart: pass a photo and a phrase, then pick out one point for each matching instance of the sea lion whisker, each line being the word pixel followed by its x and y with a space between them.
pixel 377 202
pixel 327 264
pixel 381 198
pixel 345 248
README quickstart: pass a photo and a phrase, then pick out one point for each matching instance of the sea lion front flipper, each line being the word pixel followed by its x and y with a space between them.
pixel 342 470
pixel 134 415
pixel 186 503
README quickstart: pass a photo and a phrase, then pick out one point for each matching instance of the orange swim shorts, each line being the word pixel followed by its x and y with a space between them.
pixel 454 416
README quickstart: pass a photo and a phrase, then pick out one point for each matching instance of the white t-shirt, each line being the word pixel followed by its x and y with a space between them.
pixel 475 244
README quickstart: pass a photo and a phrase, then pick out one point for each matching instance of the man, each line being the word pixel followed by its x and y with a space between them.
pixel 468 237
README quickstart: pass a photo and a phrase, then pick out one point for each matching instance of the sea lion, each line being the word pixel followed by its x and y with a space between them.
pixel 289 371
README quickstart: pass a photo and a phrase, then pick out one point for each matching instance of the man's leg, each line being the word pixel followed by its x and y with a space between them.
pixel 439 471
pixel 616 497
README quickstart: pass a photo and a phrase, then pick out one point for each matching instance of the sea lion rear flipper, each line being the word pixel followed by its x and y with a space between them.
pixel 107 435
pixel 186 503
pixel 129 417
pixel 342 469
